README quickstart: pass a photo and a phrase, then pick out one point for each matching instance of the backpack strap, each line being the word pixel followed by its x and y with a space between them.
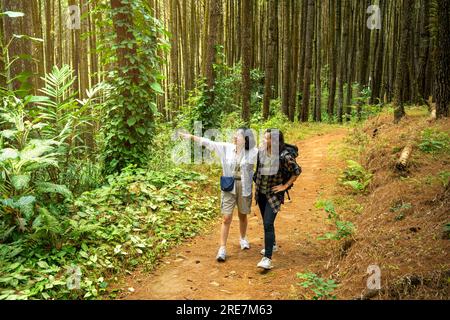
pixel 257 167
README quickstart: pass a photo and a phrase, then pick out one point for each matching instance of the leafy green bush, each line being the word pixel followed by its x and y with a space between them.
pixel 129 222
pixel 434 141
pixel 321 288
pixel 21 160
pixel 276 119
pixel 356 176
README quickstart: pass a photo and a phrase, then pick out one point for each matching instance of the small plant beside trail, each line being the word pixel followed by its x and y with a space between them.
pixel 344 229
pixel 356 177
pixel 321 288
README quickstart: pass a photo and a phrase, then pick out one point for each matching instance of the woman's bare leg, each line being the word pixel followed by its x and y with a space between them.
pixel 243 223
pixel 225 230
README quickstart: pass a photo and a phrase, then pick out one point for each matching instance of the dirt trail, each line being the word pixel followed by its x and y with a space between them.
pixel 191 272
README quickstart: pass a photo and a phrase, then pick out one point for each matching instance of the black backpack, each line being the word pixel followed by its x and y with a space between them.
pixel 293 151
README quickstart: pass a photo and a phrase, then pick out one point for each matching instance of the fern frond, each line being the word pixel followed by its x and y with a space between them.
pixel 47 187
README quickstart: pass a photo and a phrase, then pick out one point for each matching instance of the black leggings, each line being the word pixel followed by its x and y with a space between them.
pixel 269 219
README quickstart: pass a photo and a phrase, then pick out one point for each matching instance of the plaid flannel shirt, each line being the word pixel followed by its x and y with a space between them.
pixel 275 200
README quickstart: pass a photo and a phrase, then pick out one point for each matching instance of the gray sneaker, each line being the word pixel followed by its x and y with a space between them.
pixel 221 254
pixel 265 264
pixel 245 245
pixel 275 249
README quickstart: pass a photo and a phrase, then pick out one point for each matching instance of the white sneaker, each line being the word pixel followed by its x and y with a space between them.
pixel 244 244
pixel 221 255
pixel 265 264
pixel 275 249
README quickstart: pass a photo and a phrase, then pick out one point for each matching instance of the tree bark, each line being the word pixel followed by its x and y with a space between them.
pixel 215 23
pixel 270 57
pixel 318 84
pixel 402 63
pixel 246 58
pixel 442 64
pixel 304 115
pixel 333 53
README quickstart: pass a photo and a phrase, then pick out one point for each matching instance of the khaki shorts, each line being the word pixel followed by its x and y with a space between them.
pixel 230 200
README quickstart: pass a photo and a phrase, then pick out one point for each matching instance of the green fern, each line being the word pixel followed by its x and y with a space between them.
pixel 47 187
pixel 46 227
pixel 20 182
pixel 65 116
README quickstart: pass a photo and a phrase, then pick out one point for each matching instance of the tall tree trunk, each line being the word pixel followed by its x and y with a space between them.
pixel 19 47
pixel 215 24
pixel 318 84
pixel 363 63
pixel 424 50
pixel 333 53
pixel 402 63
pixel 270 57
pixel 442 66
pixel 304 115
pixel 174 76
pixel 286 57
pixel 49 36
pixel 38 47
pixel 84 61
pixel 3 57
pixel 301 64
pixel 343 63
pixel 76 57
pixel 121 21
pixel 350 63
pixel 246 58
pixel 295 48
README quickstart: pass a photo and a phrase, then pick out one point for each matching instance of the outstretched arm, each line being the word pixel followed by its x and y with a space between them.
pixel 191 136
pixel 214 146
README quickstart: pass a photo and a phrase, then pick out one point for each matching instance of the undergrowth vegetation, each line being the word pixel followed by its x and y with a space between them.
pixel 130 221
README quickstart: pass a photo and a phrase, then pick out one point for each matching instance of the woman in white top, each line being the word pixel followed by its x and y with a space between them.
pixel 242 151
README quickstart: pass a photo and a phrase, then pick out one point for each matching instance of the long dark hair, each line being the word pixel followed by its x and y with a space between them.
pixel 273 134
pixel 249 137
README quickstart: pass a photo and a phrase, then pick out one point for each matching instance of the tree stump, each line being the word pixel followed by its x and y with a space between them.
pixel 402 162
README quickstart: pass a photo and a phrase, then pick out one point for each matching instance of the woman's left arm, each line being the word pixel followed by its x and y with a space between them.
pixel 294 169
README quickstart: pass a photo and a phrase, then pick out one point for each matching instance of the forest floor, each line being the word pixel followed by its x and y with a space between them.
pixel 190 270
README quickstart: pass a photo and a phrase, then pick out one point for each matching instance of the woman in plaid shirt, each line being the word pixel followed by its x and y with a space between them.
pixel 276 171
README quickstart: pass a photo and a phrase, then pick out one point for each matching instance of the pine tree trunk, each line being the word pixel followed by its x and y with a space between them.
pixel 270 57
pixel 286 57
pixel 246 58
pixel 49 36
pixel 333 53
pixel 215 24
pixel 295 54
pixel 343 62
pixel 121 21
pixel 402 63
pixel 442 64
pixel 318 85
pixel 304 115
pixel 19 47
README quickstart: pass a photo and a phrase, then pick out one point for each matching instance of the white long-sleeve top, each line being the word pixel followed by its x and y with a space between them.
pixel 228 157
